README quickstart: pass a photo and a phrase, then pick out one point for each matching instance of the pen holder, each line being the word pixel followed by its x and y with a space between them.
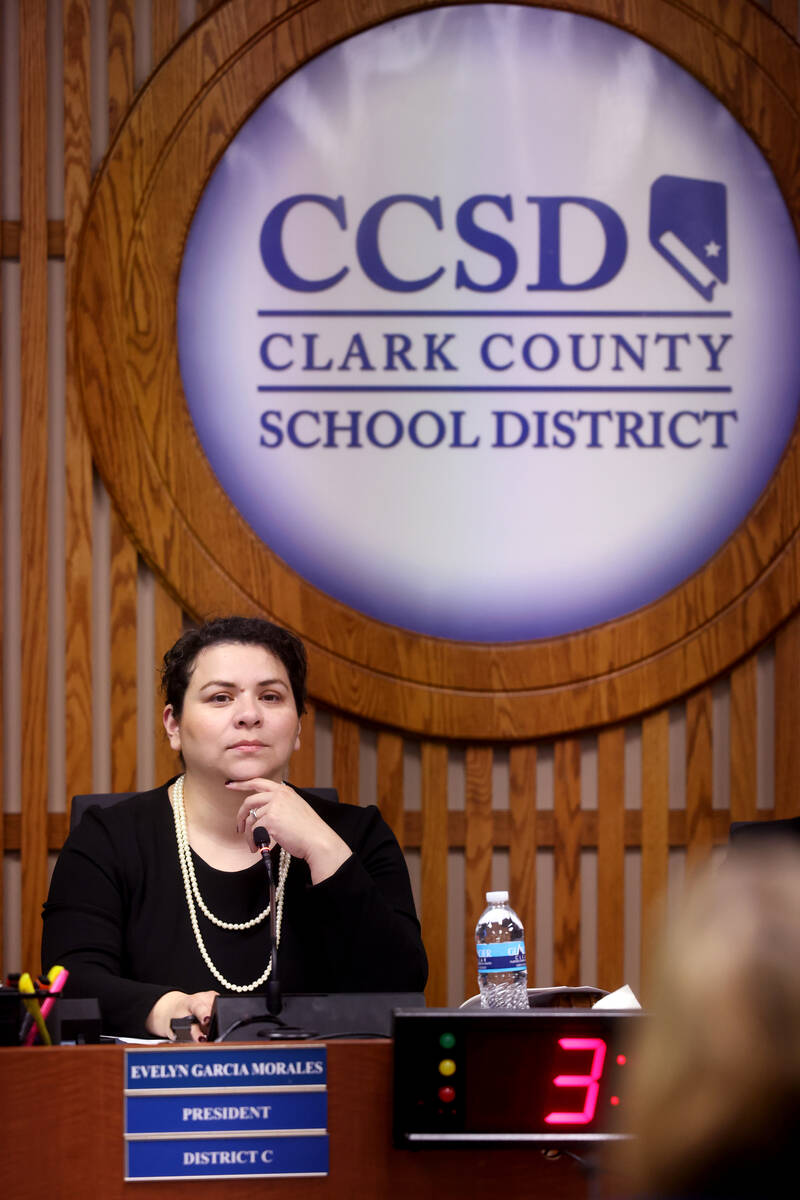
pixel 13 1013
pixel 69 1020
pixel 11 1016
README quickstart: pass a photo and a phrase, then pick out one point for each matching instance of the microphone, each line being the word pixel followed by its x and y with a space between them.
pixel 261 838
pixel 274 1002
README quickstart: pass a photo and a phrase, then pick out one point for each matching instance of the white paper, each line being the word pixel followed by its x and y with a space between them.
pixel 622 998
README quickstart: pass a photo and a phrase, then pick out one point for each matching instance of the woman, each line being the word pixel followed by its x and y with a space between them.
pixel 157 904
pixel 715 1087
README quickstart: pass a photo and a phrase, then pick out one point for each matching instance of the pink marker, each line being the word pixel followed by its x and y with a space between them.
pixel 55 988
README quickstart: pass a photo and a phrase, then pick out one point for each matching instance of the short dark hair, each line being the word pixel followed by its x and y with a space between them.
pixel 179 660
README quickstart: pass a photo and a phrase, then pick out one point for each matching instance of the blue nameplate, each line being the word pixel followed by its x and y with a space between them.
pixel 223 1067
pixel 221 1158
pixel 223 1112
pixel 215 1112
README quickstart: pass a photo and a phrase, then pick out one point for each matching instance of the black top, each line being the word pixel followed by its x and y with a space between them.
pixel 117 918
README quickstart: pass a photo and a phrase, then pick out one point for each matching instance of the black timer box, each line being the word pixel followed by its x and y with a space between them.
pixel 555 1077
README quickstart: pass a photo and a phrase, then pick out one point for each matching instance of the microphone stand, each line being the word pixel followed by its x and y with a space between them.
pixel 274 1001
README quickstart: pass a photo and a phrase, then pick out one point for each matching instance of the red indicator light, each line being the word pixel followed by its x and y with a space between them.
pixel 447 1095
pixel 591 1081
pixel 621 1059
pixel 615 1100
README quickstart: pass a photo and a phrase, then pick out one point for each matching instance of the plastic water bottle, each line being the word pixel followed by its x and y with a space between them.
pixel 500 942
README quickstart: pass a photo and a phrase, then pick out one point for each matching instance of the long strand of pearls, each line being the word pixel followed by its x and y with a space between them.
pixel 192 891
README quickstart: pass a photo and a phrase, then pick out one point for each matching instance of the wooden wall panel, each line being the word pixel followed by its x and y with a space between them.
pixel 303 765
pixel 345 758
pixel 787 719
pixel 164 27
pixel 120 61
pixel 34 463
pixel 124 564
pixel 611 858
pixel 434 845
pixel 168 626
pixel 523 845
pixel 478 849
pixel 788 14
pixel 77 451
pixel 567 864
pixel 744 741
pixel 698 778
pixel 655 827
pixel 124 667
pixel 2 565
pixel 10 235
pixel 390 782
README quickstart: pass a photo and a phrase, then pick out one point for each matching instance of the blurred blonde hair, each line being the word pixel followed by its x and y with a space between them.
pixel 715 1090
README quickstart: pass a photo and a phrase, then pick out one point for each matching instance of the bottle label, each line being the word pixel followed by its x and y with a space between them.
pixel 494 957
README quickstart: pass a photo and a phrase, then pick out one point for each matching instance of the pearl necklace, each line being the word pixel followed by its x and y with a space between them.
pixel 193 893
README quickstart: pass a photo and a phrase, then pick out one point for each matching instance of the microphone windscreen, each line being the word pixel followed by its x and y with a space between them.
pixel 260 836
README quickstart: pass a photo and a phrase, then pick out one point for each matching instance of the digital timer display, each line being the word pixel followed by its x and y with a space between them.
pixel 550 1076
pixel 543 1079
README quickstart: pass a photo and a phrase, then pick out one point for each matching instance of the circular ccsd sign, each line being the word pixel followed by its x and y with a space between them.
pixel 487 323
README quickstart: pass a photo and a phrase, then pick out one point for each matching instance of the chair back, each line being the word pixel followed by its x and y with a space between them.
pixel 749 834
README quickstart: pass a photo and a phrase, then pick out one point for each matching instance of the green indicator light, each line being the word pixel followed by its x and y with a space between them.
pixel 447 1041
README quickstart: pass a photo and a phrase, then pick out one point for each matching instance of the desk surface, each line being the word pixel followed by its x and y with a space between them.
pixel 61 1119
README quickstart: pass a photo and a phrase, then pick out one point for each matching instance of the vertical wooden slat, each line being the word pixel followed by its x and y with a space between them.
pixel 744 740
pixel 167 625
pixel 434 868
pixel 123 566
pixel 522 851
pixel 77 452
pixel 303 769
pixel 478 850
pixel 345 758
pixel 655 829
pixel 164 27
pixel 567 863
pixel 787 719
pixel 390 782
pixel 611 858
pixel 124 569
pixel 120 61
pixel 34 464
pixel 698 778
pixel 2 554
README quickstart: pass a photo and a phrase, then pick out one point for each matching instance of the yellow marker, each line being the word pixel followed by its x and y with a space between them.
pixel 26 987
pixel 54 973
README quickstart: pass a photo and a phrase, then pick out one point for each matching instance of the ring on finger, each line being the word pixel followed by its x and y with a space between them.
pixel 254 814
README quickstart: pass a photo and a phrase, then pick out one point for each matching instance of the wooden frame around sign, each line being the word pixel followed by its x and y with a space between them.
pixel 140 210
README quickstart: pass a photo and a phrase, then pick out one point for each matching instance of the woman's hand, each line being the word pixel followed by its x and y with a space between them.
pixel 179 1004
pixel 291 823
